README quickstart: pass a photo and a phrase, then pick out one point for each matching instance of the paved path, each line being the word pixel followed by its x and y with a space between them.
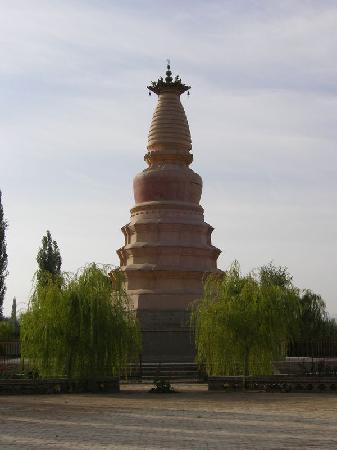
pixel 192 419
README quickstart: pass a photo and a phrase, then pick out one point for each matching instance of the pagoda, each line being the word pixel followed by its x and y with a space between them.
pixel 168 248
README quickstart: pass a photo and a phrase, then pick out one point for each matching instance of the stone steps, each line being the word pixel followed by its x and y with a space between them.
pixel 173 372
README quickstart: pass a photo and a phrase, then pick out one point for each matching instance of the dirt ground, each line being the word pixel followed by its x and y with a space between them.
pixel 191 419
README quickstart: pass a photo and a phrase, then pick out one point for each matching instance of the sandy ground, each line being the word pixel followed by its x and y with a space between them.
pixel 191 419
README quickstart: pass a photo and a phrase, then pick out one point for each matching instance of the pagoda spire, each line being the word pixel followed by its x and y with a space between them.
pixel 169 138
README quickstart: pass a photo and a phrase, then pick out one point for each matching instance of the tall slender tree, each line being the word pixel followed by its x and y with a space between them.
pixel 13 315
pixel 48 258
pixel 3 256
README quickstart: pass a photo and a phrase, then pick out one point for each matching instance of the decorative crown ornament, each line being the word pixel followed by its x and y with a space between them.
pixel 168 85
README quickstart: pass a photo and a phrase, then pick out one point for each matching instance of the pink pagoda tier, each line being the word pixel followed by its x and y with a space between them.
pixel 168 247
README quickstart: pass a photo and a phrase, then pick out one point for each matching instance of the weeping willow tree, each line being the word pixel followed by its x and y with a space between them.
pixel 80 325
pixel 243 323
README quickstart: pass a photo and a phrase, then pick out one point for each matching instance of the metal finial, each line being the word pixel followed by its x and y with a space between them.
pixel 168 78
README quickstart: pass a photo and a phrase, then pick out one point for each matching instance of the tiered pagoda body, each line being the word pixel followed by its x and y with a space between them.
pixel 168 247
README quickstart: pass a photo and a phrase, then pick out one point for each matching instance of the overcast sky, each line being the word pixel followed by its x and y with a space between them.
pixel 74 117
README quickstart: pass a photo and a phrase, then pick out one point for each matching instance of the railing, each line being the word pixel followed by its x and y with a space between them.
pixel 9 350
pixel 316 348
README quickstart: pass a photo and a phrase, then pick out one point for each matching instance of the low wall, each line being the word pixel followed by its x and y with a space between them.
pixel 58 386
pixel 306 365
pixel 275 383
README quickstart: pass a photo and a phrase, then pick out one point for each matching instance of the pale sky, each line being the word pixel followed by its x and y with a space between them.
pixel 75 114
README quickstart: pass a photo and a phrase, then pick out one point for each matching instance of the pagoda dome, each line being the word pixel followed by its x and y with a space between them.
pixel 167 183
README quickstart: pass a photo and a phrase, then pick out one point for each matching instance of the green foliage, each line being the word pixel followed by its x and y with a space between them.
pixel 162 386
pixel 243 323
pixel 49 259
pixel 3 256
pixel 278 276
pixel 329 328
pixel 80 325
pixel 315 323
pixel 8 330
